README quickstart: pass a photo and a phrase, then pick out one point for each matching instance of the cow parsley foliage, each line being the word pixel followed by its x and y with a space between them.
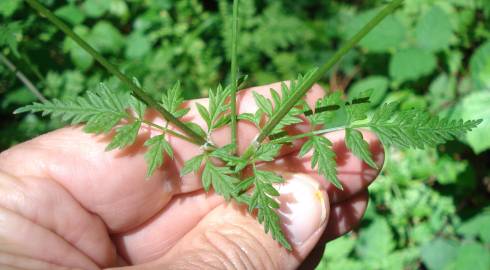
pixel 221 169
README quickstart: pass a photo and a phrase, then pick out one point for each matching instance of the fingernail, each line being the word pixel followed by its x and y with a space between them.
pixel 304 207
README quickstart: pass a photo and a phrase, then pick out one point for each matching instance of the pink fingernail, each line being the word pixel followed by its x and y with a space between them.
pixel 304 207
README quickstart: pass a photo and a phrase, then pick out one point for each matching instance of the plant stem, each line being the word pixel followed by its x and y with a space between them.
pixel 30 86
pixel 138 92
pixel 308 134
pixel 307 84
pixel 166 130
pixel 234 74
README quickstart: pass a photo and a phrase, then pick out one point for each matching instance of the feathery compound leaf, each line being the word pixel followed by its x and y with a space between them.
pixel 125 135
pixel 328 110
pixel 172 101
pixel 262 199
pixel 138 106
pixel 415 128
pixel 267 152
pixel 224 153
pixel 359 147
pixel 324 157
pixel 219 178
pixel 263 103
pixel 358 106
pixel 100 110
pixel 252 117
pixel 154 155
pixel 216 115
pixel 281 100
pixel 192 165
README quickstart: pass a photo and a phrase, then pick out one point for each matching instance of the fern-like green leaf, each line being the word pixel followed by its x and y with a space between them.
pixel 356 108
pixel 263 199
pixel 192 165
pixel 224 154
pixel 415 128
pixel 101 110
pixel 155 153
pixel 332 110
pixel 172 101
pixel 138 107
pixel 271 106
pixel 125 135
pixel 254 118
pixel 216 114
pixel 267 152
pixel 220 179
pixel 323 158
pixel 359 147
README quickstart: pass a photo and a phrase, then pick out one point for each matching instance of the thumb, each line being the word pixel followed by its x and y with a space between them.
pixel 230 238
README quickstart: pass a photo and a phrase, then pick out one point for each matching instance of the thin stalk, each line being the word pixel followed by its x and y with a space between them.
pixel 307 84
pixel 234 75
pixel 137 91
pixel 30 86
pixel 307 134
pixel 166 130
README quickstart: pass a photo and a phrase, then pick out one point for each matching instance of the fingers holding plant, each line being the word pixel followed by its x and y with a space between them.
pixel 220 166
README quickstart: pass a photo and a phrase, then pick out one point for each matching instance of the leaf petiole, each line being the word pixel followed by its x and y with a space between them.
pixel 167 130
pixel 307 134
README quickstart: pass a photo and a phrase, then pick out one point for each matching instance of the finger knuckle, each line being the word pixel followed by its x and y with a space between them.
pixel 233 247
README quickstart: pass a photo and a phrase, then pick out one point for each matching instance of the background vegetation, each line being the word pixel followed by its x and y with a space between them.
pixel 428 210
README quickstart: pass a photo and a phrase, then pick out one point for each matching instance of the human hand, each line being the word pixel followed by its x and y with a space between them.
pixel 65 202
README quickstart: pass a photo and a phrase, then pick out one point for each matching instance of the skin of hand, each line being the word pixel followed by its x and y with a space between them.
pixel 65 203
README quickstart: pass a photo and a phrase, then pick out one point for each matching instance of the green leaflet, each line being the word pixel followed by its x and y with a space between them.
pixel 252 117
pixel 192 165
pixel 125 135
pixel 416 128
pixel 220 179
pixel 359 147
pixel 100 110
pixel 262 199
pixel 172 101
pixel 323 158
pixel 138 107
pixel 329 118
pixel 272 108
pixel 267 152
pixel 224 153
pixel 216 115
pixel 155 153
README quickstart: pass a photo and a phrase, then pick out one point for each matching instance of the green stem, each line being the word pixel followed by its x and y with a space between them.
pixel 307 84
pixel 234 74
pixel 137 91
pixel 308 134
pixel 22 77
pixel 166 130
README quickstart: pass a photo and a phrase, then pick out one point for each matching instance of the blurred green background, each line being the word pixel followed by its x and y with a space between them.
pixel 428 210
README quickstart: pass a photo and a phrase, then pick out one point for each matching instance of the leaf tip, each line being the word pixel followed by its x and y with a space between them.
pixel 20 110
